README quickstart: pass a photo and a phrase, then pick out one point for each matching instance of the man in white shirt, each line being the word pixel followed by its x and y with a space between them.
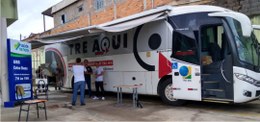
pixel 99 72
pixel 79 82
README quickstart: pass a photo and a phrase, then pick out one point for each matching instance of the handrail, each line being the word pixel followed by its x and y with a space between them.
pixel 222 72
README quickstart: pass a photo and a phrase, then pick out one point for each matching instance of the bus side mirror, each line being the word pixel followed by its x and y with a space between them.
pixel 256 27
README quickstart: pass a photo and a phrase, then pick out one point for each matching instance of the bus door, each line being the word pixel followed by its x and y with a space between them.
pixel 216 63
pixel 186 83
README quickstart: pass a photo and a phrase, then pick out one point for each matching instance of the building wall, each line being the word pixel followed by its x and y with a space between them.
pixel 102 15
pixel 74 18
pixel 256 20
pixel 113 9
pixel 248 7
pixel 71 13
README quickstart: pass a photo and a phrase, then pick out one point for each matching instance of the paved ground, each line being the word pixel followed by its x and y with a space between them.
pixel 154 110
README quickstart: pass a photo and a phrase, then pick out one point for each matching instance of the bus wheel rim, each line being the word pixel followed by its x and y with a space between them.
pixel 168 92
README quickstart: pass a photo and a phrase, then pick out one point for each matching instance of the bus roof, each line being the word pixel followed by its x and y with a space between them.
pixel 196 9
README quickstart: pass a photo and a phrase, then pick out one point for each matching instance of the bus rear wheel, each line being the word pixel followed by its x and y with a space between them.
pixel 166 94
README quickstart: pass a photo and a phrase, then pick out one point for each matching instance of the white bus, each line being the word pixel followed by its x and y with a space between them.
pixel 201 53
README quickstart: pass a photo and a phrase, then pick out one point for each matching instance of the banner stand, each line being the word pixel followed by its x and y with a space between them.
pixel 19 70
pixel 9 104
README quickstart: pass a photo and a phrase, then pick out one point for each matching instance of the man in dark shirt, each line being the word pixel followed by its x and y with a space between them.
pixel 88 77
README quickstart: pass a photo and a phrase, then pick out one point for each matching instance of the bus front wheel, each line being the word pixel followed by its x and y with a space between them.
pixel 166 94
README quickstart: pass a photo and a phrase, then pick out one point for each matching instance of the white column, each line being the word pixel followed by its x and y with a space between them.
pixel 115 9
pixel 145 4
pixel 152 3
pixel 3 62
pixel 44 23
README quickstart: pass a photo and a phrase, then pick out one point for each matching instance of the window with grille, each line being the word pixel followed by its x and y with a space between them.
pixel 99 4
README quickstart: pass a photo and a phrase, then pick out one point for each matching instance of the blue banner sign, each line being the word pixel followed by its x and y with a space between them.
pixel 19 69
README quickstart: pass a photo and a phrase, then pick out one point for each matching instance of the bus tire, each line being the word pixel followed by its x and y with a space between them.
pixel 166 94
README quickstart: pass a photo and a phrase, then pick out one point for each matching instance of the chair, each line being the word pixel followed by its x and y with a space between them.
pixel 20 93
pixel 42 89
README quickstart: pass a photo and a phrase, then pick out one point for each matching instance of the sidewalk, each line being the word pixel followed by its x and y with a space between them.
pixel 58 109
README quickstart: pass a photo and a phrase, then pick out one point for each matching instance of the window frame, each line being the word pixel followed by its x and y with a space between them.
pixel 192 53
pixel 99 4
pixel 80 8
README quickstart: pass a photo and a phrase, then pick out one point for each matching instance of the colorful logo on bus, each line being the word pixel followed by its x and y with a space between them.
pixel 185 72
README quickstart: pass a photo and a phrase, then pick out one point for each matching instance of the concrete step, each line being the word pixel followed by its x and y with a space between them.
pixel 210 82
pixel 210 85
pixel 218 93
pixel 211 77
pixel 215 90
pixel 218 100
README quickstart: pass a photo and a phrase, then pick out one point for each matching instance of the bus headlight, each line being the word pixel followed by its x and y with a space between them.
pixel 248 79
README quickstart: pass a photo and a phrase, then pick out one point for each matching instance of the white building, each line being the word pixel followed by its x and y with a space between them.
pixel 8 15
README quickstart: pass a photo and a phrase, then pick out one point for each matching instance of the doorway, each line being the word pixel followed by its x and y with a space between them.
pixel 216 63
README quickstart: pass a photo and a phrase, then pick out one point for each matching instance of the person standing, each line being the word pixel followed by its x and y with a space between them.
pixel 59 77
pixel 88 77
pixel 99 72
pixel 79 82
pixel 39 72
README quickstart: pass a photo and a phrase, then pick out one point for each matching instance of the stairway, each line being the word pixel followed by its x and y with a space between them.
pixel 212 87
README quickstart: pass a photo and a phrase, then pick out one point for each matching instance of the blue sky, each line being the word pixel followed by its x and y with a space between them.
pixel 30 19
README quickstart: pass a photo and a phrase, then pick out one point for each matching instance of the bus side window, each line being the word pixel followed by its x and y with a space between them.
pixel 185 47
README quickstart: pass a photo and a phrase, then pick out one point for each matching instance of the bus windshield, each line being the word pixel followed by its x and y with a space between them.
pixel 247 47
